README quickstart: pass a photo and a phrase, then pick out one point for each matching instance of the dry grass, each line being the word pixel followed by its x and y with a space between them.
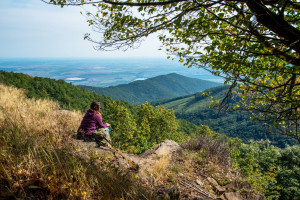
pixel 34 117
pixel 36 159
pixel 160 169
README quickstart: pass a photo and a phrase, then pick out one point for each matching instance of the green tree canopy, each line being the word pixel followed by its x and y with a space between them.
pixel 253 44
pixel 137 132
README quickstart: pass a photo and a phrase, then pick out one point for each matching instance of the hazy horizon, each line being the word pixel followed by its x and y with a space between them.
pixel 101 72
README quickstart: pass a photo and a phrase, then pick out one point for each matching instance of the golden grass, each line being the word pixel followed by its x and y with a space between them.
pixel 160 168
pixel 36 159
pixel 35 116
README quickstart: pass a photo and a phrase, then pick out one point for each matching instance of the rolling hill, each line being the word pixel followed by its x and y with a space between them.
pixel 195 108
pixel 159 87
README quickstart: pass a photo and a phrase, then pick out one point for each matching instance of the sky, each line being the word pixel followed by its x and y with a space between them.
pixel 33 29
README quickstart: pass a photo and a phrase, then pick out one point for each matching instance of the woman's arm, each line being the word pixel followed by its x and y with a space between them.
pixel 99 122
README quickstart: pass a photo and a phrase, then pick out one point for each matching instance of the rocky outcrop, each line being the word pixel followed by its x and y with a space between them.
pixel 233 196
pixel 154 168
pixel 166 148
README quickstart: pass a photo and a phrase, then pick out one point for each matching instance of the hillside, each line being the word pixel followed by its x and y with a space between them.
pixel 40 159
pixel 160 87
pixel 67 95
pixel 195 108
pixel 123 116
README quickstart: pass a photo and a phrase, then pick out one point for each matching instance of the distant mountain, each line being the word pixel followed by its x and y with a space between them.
pixel 195 108
pixel 159 87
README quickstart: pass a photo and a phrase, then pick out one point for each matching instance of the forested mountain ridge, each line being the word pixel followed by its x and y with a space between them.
pixel 195 108
pixel 68 95
pixel 159 87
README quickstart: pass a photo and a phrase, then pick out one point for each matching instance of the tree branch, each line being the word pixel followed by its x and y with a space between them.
pixel 275 23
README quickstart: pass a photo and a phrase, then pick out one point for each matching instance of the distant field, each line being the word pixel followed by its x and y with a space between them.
pixel 101 72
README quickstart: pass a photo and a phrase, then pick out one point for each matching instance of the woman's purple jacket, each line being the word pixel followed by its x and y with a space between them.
pixel 91 122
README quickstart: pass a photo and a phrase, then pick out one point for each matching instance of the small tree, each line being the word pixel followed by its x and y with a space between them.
pixel 155 124
pixel 123 125
pixel 137 133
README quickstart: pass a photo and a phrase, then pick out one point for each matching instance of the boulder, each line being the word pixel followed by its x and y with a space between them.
pixel 166 148
pixel 212 181
pixel 199 182
pixel 233 196
pixel 219 190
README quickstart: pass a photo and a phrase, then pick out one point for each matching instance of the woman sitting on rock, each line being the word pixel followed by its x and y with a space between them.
pixel 92 128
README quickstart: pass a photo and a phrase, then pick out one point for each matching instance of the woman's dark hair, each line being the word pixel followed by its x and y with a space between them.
pixel 95 106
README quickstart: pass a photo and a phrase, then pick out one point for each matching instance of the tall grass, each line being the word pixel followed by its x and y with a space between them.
pixel 36 159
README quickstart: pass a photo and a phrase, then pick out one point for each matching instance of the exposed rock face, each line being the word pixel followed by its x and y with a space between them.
pixel 167 148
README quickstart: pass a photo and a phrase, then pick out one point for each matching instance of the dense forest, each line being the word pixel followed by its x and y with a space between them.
pixel 159 87
pixel 196 109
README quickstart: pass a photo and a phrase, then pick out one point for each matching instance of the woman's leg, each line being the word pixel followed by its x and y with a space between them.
pixel 107 130
pixel 107 134
pixel 99 134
